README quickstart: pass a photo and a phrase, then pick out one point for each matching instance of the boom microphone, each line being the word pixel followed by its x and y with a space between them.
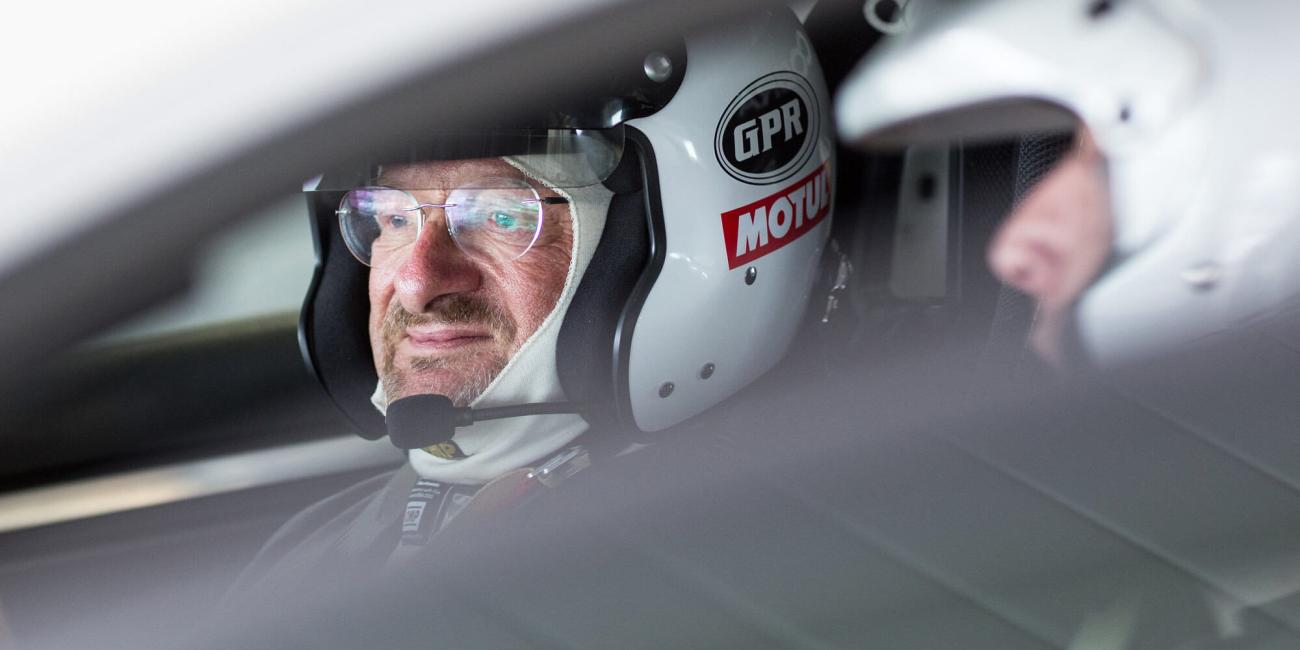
pixel 421 421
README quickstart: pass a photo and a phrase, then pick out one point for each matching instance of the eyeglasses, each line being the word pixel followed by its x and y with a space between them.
pixel 495 219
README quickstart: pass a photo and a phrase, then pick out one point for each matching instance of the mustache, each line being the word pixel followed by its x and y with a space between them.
pixel 456 309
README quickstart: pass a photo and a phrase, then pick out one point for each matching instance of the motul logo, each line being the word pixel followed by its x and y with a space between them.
pixel 765 225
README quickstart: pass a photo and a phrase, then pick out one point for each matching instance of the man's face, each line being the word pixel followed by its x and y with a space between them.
pixel 444 322
pixel 1053 245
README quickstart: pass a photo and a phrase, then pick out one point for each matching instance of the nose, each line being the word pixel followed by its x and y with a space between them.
pixel 435 267
pixel 1055 241
pixel 1026 256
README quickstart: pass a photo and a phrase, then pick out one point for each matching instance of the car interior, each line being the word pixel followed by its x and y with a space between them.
pixel 147 453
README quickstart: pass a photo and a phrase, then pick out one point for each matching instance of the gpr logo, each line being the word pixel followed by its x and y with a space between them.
pixel 766 225
pixel 755 136
pixel 769 130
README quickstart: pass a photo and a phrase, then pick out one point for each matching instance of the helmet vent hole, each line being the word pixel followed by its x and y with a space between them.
pixel 751 274
pixel 1125 113
pixel 887 11
pixel 666 389
pixel 887 16
pixel 1098 9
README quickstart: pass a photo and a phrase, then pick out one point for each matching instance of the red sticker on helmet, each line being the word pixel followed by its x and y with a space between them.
pixel 766 225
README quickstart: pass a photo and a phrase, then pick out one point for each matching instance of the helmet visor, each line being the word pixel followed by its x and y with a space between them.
pixel 556 157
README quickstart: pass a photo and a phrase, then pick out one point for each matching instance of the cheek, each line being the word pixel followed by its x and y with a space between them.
pixel 534 285
pixel 1089 221
pixel 380 293
pixel 531 285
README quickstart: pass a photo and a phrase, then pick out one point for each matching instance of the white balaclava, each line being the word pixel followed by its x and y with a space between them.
pixel 494 447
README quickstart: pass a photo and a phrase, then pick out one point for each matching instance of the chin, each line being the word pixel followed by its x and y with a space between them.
pixel 461 385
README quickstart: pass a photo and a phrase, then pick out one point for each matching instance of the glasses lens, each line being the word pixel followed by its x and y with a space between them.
pixel 496 218
pixel 378 222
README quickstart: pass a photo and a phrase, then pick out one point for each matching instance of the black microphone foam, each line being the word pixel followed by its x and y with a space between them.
pixel 422 420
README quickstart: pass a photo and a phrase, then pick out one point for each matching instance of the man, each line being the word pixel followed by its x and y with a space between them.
pixel 515 304
pixel 1161 248
pixel 1174 218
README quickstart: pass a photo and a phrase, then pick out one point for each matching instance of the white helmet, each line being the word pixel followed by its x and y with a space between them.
pixel 696 271
pixel 1189 101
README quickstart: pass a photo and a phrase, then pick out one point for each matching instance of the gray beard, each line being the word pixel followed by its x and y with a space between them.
pixel 396 382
